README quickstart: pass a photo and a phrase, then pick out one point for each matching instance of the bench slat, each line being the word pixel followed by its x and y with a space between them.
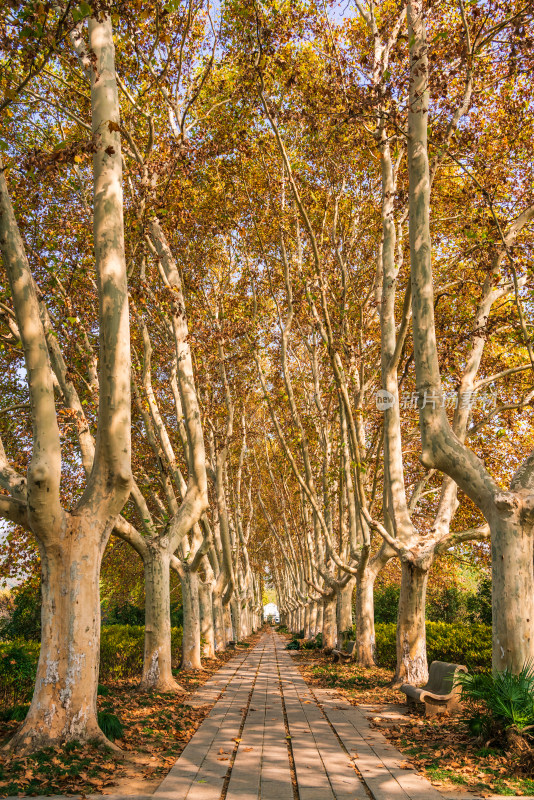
pixel 440 689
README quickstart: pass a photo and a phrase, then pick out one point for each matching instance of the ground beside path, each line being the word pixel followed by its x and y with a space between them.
pixel 270 736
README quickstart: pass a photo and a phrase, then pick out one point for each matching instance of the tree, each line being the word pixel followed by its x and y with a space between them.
pixel 508 513
pixel 72 542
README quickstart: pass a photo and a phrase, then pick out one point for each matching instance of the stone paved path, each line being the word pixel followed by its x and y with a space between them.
pixel 269 737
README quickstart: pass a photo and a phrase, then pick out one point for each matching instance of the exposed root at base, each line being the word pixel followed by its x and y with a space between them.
pixel 24 743
pixel 163 687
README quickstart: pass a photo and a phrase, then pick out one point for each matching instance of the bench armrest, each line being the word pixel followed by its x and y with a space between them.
pixel 411 691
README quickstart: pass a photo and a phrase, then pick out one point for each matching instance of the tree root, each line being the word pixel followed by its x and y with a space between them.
pixel 27 741
pixel 166 686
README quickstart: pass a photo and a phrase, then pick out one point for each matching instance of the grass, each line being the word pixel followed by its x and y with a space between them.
pixel 51 770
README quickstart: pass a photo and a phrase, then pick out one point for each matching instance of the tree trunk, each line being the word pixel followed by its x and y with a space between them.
pixel 230 634
pixel 235 612
pixel 313 631
pixel 329 622
pixel 67 672
pixel 307 621
pixel 218 623
pixel 245 621
pixel 365 647
pixel 320 618
pixel 412 664
pixel 512 584
pixel 344 611
pixel 157 664
pixel 206 619
pixel 191 633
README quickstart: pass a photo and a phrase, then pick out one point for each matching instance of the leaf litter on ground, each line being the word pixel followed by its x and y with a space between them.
pixel 462 762
pixel 157 727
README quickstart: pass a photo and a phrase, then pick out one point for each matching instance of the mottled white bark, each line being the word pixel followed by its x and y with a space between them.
pixel 313 629
pixel 191 633
pixel 412 666
pixel 207 631
pixel 230 634
pixel 219 630
pixel 512 560
pixel 364 612
pixel 344 611
pixel 329 622
pixel 64 702
pixel 157 663
pixel 320 617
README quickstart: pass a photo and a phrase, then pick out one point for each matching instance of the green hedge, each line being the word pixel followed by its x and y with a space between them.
pixel 121 650
pixel 459 644
pixel 121 656
pixel 18 666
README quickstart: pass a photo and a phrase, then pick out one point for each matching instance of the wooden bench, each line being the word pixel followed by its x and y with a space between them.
pixel 441 692
pixel 344 655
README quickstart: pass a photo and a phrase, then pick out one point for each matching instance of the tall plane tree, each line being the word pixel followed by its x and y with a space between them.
pixel 72 542
pixel 510 514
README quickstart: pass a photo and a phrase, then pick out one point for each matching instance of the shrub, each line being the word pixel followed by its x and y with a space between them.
pixel 24 621
pixel 460 644
pixel 508 698
pixel 18 668
pixel 479 604
pixel 124 614
pixel 121 656
pixel 177 615
pixel 313 644
pixel 122 648
pixel 386 602
pixel 451 604
pixel 15 713
pixel 448 605
pixel 110 725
